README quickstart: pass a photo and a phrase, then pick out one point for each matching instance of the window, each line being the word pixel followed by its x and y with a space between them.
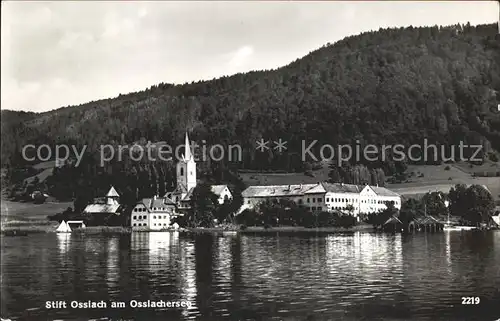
pixel 133 224
pixel 314 200
pixel 307 200
pixel 154 217
pixel 133 217
pixel 182 171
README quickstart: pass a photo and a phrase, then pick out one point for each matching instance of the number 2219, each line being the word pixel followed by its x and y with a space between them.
pixel 470 300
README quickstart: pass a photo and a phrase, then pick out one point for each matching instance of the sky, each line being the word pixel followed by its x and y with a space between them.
pixel 56 54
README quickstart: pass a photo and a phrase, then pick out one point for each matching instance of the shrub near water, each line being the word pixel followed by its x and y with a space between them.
pixel 286 213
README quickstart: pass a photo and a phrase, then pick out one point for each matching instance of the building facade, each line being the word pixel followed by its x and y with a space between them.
pixel 152 214
pixel 158 212
pixel 347 198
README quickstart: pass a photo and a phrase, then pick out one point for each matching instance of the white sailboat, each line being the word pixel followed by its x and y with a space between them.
pixel 63 228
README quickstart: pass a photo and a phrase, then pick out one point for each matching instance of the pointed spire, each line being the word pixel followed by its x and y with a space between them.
pixel 187 152
pixel 112 192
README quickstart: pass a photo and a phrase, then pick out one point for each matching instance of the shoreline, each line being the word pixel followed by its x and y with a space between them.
pixel 23 229
pixel 31 228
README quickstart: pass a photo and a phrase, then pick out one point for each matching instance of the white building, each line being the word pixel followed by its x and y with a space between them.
pixel 223 193
pixel 308 195
pixel 363 199
pixel 157 213
pixel 152 214
pixel 325 197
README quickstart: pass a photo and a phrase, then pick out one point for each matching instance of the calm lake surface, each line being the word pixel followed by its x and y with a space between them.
pixel 353 276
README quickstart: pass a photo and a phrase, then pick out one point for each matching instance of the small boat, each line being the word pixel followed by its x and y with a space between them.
pixel 63 228
pixel 16 233
pixel 449 227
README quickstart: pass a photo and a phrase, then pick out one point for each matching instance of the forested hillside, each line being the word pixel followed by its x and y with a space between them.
pixel 392 86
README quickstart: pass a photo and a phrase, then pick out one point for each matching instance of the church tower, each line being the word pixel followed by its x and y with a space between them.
pixel 186 168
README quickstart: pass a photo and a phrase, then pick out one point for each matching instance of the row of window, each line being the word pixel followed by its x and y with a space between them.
pixel 144 224
pixel 352 200
pixel 142 209
pixel 143 217
pixel 342 200
pixel 342 207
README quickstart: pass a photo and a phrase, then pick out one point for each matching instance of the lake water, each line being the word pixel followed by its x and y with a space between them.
pixel 353 276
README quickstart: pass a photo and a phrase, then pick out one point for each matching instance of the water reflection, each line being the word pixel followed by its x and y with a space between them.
pixel 63 241
pixel 447 235
pixel 342 276
pixel 113 262
pixel 188 276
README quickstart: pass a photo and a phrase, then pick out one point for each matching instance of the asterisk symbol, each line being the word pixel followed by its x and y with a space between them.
pixel 262 144
pixel 280 145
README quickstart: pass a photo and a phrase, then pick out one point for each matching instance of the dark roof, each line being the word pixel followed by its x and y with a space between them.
pixel 342 188
pixel 426 220
pixel 393 220
pixel 151 203
pixel 277 190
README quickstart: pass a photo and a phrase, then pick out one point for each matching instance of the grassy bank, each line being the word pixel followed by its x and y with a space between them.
pixel 282 229
pixel 28 226
pixel 27 211
pixel 50 227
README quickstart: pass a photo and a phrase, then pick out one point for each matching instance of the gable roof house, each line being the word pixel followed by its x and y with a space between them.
pixel 153 213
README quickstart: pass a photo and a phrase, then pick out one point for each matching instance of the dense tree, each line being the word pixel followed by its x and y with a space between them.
pixel 417 83
pixel 411 209
pixel 434 204
pixel 458 200
pixel 480 205
pixel 379 218
pixel 203 207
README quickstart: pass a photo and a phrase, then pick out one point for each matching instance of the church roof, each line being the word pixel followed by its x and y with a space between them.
pixel 188 195
pixel 102 208
pixel 112 192
pixel 180 189
pixel 218 189
pixel 187 152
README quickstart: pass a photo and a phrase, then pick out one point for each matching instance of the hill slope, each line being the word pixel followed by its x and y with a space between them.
pixel 390 86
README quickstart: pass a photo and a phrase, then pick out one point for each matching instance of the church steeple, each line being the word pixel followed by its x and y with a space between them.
pixel 186 168
pixel 187 153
